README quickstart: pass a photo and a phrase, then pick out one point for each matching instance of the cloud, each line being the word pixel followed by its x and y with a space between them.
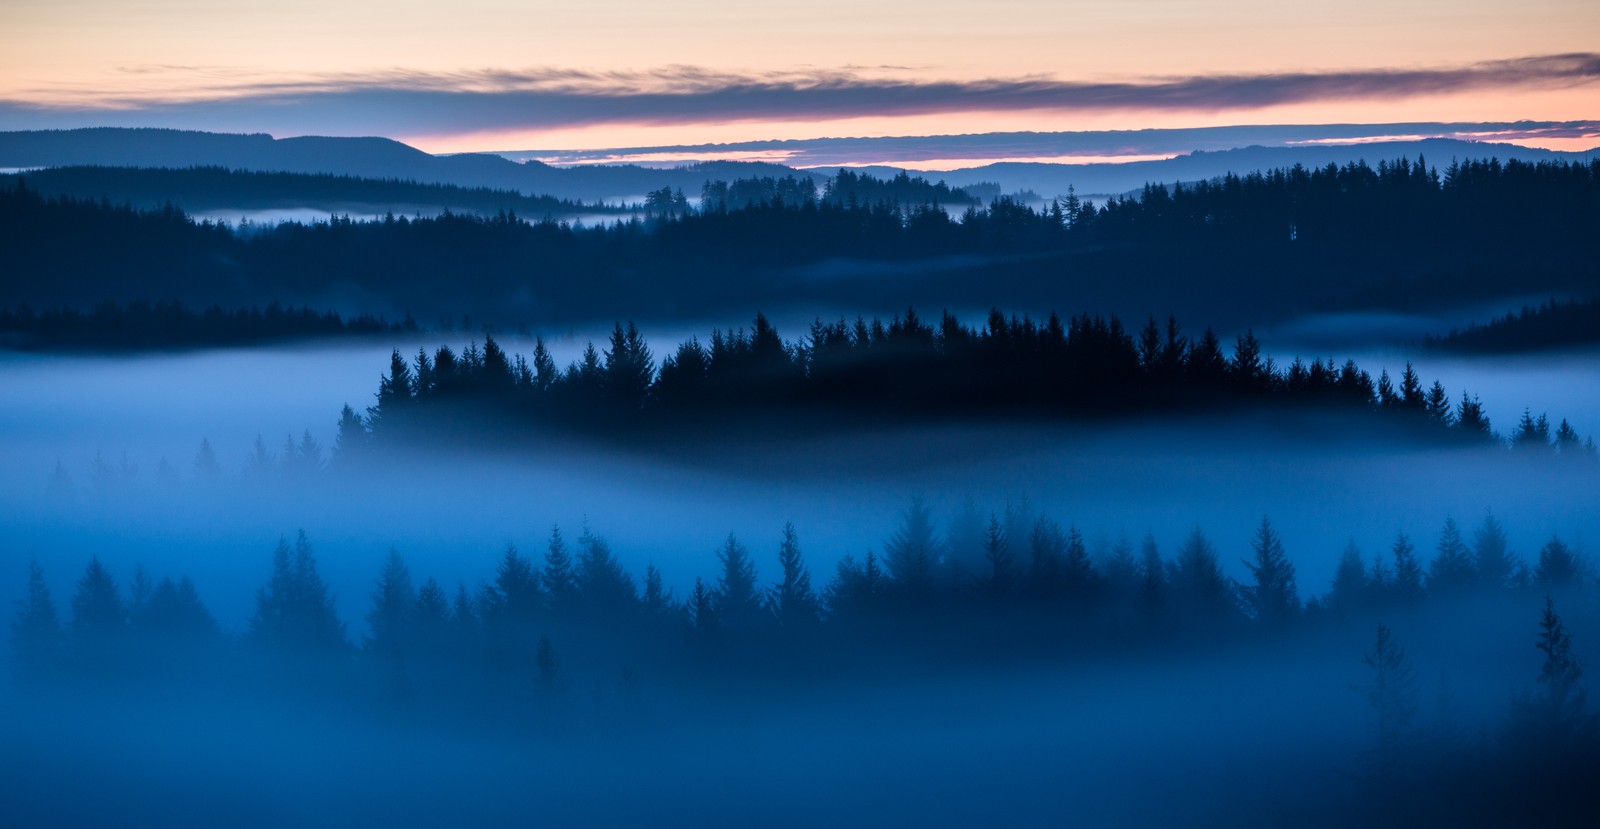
pixel 408 102
pixel 1106 144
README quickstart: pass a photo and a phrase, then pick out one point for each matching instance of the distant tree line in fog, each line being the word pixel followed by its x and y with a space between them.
pixel 139 325
pixel 1552 324
pixel 198 189
pixel 990 590
pixel 907 370
pixel 1402 233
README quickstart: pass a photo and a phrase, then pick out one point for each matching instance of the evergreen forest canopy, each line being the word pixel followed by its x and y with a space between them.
pixel 843 374
pixel 518 651
pixel 1551 324
pixel 1239 250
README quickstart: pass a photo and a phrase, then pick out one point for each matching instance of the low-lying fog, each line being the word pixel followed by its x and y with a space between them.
pixel 451 515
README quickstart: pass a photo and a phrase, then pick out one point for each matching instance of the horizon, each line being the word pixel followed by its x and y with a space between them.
pixel 693 75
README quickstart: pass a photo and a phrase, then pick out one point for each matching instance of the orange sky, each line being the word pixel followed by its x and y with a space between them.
pixel 125 53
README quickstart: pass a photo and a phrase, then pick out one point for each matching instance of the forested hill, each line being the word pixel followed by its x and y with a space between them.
pixel 211 189
pixel 1552 324
pixel 379 158
pixel 844 375
pixel 1238 251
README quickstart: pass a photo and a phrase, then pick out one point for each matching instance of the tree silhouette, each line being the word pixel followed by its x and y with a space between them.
pixel 391 620
pixel 793 601
pixel 738 601
pixel 36 629
pixel 909 553
pixel 294 613
pixel 1452 567
pixel 1273 598
pixel 1393 696
pixel 1494 561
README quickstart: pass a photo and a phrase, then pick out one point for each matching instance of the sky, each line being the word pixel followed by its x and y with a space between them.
pixel 495 75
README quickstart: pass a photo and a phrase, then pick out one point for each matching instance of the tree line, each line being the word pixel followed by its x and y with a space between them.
pixel 1016 570
pixel 1400 234
pixel 1551 324
pixel 208 188
pixel 906 370
pixel 549 630
pixel 138 324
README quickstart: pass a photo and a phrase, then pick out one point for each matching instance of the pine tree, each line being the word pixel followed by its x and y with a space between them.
pixel 1452 567
pixel 1001 579
pixel 1349 592
pixel 1564 702
pixel 1153 573
pixel 657 600
pixel 1273 598
pixel 1393 695
pixel 516 589
pixel 1407 583
pixel 36 629
pixel 391 619
pixel 1437 406
pixel 603 586
pixel 176 614
pixel 737 600
pixel 1471 422
pixel 793 601
pixel 98 615
pixel 430 616
pixel 206 466
pixel 560 585
pixel 909 553
pixel 294 612
pixel 702 608
pixel 1558 566
pixel 1494 562
pixel 1079 577
pixel 1197 580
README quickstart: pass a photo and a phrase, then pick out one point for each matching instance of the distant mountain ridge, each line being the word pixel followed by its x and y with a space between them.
pixel 378 158
pixel 384 158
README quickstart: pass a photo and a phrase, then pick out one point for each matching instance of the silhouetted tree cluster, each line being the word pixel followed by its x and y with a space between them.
pixel 902 371
pixel 1553 324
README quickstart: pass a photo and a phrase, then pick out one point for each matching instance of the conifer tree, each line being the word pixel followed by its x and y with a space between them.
pixel 1452 567
pixel 909 553
pixel 737 599
pixel 1350 583
pixel 793 601
pixel 1493 559
pixel 1197 579
pixel 1000 580
pixel 98 614
pixel 560 585
pixel 516 589
pixel 1393 696
pixel 1407 583
pixel 36 629
pixel 1558 567
pixel 294 612
pixel 603 586
pixel 1273 598
pixel 391 619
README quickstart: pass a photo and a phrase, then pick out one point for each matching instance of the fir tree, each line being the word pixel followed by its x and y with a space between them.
pixel 1452 567
pixel 793 601
pixel 36 629
pixel 1273 598
pixel 738 602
